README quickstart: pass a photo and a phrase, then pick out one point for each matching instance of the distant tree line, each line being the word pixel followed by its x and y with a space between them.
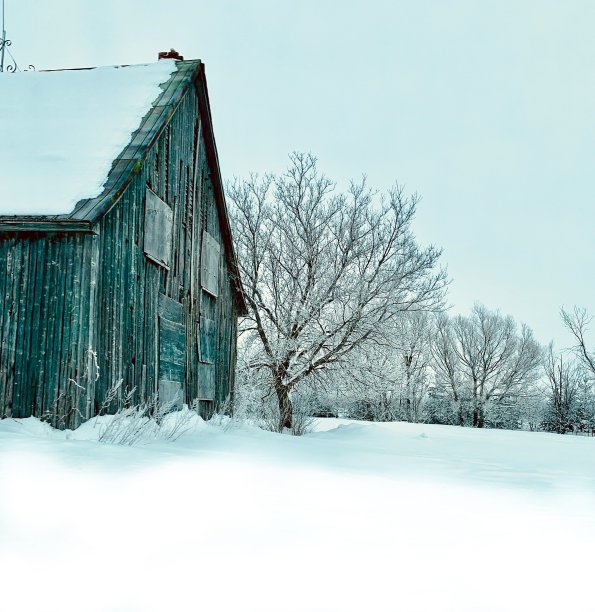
pixel 346 318
pixel 479 370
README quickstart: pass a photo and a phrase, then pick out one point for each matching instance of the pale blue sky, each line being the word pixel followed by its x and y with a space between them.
pixel 486 108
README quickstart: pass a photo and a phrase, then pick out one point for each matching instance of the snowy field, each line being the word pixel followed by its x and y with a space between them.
pixel 357 516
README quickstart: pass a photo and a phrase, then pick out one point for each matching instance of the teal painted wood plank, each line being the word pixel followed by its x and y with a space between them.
pixel 208 340
pixel 172 350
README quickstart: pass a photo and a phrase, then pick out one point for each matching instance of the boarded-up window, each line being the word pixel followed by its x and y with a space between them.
pixel 207 340
pixel 206 381
pixel 172 357
pixel 210 264
pixel 158 230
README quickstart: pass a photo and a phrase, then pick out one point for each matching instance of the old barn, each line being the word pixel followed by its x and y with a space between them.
pixel 117 262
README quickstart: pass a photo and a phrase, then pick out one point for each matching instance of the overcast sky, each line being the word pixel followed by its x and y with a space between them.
pixel 486 108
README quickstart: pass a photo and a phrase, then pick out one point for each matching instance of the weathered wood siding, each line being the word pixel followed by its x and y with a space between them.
pixel 146 313
pixel 140 326
pixel 47 285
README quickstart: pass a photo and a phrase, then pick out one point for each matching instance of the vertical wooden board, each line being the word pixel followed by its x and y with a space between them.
pixel 115 280
pixel 66 387
pixel 132 285
pixel 71 349
pixel 140 314
pixel 136 293
pixel 17 272
pixel 54 366
pixel 206 409
pixel 208 340
pixel 90 323
pixel 41 327
pixel 6 249
pixel 162 166
pixel 4 328
pixel 152 326
pixel 123 271
pixel 48 319
pixel 127 365
pixel 146 330
pixel 78 368
pixel 104 340
pixel 25 350
pixel 23 326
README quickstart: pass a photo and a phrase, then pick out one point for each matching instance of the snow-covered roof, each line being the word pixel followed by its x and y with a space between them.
pixel 60 131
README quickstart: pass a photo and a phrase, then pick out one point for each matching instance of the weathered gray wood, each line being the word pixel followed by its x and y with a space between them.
pixel 172 350
pixel 171 309
pixel 171 392
pixel 208 340
pixel 36 224
pixel 210 264
pixel 206 382
pixel 158 229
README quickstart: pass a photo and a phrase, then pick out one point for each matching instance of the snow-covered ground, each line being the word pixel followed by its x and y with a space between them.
pixel 357 516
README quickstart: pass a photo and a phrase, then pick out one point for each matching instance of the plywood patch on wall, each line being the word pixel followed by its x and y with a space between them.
pixel 158 229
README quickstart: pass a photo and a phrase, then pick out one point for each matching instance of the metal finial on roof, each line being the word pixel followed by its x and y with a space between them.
pixel 4 44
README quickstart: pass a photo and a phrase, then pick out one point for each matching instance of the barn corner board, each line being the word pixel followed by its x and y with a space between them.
pixel 139 284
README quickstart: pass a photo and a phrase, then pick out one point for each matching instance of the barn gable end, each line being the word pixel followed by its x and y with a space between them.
pixel 138 285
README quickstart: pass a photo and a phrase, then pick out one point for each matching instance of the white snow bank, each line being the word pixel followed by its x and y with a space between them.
pixel 361 516
pixel 60 132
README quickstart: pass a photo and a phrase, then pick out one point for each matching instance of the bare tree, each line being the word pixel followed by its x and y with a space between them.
pixel 484 358
pixel 389 382
pixel 369 383
pixel 578 322
pixel 446 364
pixel 413 336
pixel 324 272
pixel 564 378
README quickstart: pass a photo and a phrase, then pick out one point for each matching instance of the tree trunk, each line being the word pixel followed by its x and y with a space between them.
pixel 475 404
pixel 478 413
pixel 285 408
pixel 481 416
